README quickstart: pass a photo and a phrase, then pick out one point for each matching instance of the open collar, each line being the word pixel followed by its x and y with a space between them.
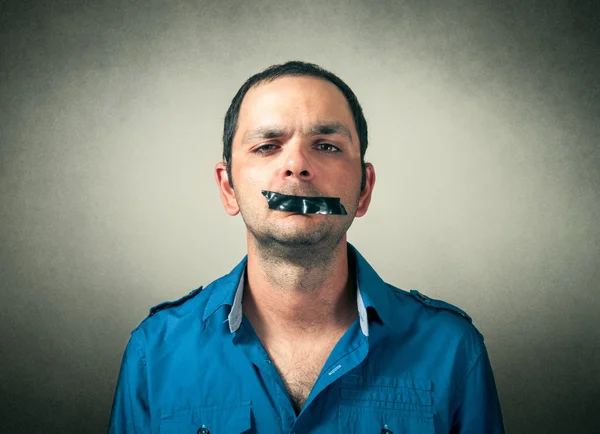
pixel 372 292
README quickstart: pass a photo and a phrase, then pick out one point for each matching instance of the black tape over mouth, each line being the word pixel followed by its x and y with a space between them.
pixel 304 204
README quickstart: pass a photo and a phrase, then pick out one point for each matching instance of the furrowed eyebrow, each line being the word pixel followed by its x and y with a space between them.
pixel 333 128
pixel 273 132
pixel 263 133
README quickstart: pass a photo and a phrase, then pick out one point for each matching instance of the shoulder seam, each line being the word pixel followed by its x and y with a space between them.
pixel 173 303
pixel 139 349
pixel 439 304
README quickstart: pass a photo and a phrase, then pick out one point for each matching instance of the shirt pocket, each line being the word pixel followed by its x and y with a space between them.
pixel 234 419
pixel 370 404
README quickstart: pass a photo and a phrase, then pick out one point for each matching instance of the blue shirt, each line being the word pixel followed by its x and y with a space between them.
pixel 408 364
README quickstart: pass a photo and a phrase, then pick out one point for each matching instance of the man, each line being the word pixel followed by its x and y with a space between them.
pixel 302 336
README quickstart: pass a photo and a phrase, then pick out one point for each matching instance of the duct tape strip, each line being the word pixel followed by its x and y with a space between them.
pixel 304 204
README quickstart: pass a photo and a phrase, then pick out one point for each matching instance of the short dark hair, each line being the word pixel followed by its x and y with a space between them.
pixel 293 69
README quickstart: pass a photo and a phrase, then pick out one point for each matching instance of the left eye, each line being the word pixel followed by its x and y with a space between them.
pixel 328 147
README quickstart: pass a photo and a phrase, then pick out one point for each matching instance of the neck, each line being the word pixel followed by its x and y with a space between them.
pixel 309 295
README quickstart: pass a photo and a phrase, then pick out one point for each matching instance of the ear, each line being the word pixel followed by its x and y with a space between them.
pixel 227 193
pixel 365 196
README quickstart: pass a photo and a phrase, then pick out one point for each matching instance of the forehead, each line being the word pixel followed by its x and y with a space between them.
pixel 295 102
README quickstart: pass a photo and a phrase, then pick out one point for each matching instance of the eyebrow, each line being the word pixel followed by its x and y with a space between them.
pixel 272 132
pixel 332 128
pixel 263 133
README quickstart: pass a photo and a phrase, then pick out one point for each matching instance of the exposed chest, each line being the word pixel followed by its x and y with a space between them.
pixel 299 367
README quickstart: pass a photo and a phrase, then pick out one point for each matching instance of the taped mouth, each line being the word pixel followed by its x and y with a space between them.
pixel 304 204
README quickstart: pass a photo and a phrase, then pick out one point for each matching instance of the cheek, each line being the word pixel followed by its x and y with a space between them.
pixel 249 176
pixel 346 177
pixel 249 184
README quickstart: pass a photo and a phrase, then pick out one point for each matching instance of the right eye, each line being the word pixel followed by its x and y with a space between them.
pixel 264 149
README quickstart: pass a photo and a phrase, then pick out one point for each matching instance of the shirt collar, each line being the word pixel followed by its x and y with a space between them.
pixel 372 292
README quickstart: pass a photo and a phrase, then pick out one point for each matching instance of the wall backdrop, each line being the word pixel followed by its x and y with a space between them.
pixel 484 130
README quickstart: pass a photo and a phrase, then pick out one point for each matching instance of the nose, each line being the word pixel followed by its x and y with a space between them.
pixel 296 163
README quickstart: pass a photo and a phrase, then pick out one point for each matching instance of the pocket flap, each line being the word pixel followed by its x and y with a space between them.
pixel 234 419
pixel 387 392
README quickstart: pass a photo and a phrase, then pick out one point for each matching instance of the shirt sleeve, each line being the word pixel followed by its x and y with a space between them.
pixel 477 407
pixel 130 410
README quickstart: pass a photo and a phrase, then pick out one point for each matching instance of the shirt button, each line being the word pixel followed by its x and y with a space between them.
pixel 386 431
pixel 203 430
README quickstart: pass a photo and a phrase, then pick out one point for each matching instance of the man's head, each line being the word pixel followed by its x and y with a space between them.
pixel 293 69
pixel 298 130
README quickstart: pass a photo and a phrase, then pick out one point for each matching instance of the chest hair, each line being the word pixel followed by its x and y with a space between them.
pixel 299 368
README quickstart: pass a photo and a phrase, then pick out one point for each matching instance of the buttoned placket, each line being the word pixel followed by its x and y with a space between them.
pixel 350 351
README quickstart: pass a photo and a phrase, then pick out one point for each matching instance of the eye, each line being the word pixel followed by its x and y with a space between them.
pixel 265 148
pixel 328 147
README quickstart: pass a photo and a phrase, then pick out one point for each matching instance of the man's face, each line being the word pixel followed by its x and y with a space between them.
pixel 296 136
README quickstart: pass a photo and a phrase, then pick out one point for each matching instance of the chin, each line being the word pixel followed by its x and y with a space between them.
pixel 298 240
pixel 294 239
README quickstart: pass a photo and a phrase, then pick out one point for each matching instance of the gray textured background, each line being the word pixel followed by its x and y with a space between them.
pixel 484 124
